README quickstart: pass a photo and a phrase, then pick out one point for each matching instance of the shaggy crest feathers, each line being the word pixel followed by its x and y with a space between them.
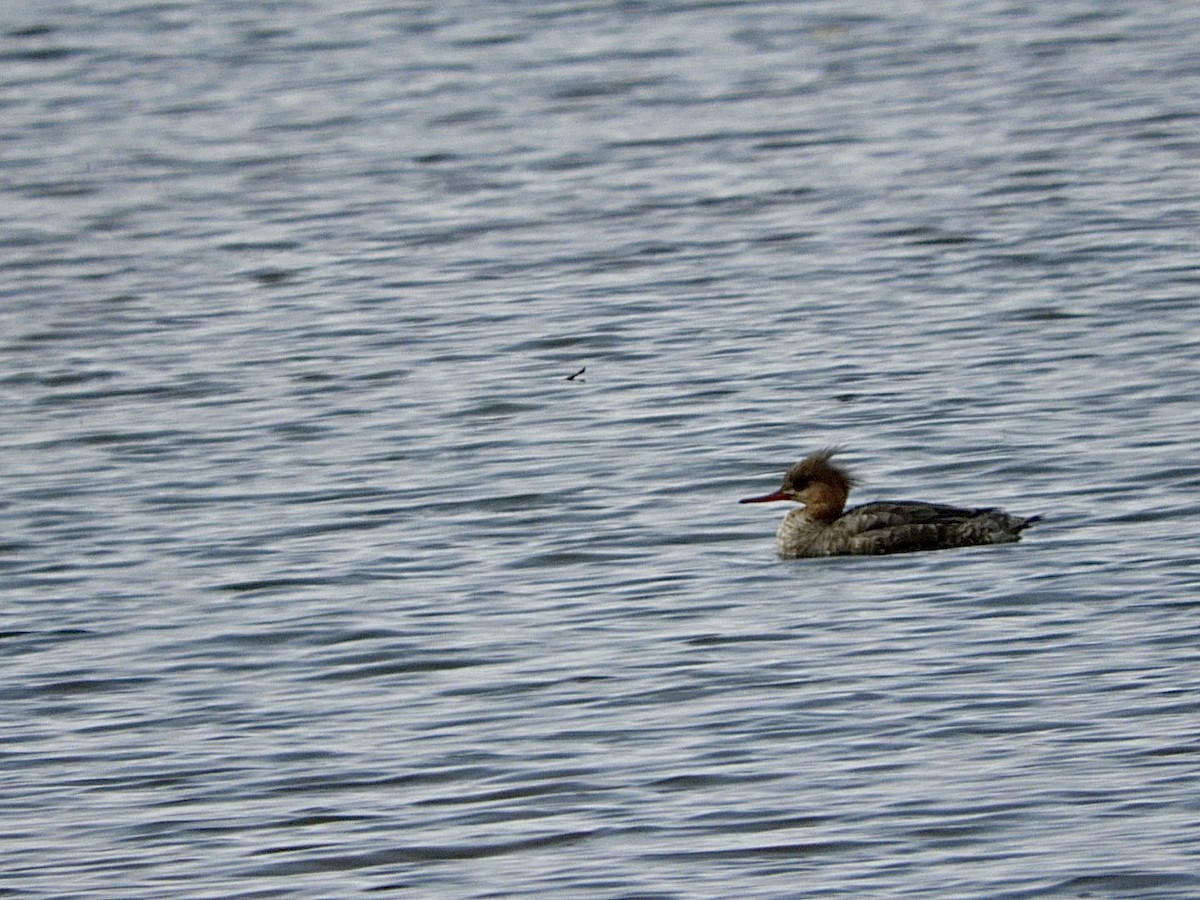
pixel 817 467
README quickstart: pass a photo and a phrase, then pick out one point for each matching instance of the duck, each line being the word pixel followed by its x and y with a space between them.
pixel 822 526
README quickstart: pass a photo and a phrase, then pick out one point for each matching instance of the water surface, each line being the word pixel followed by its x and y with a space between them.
pixel 319 577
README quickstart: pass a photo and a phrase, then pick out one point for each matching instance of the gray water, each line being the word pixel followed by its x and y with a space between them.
pixel 319 578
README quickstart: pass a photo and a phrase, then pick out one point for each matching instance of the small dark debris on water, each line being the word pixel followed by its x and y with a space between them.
pixel 271 276
pixel 577 374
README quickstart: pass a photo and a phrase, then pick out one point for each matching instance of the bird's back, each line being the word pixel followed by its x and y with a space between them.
pixel 907 526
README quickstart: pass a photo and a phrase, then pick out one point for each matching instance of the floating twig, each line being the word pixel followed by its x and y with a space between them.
pixel 577 374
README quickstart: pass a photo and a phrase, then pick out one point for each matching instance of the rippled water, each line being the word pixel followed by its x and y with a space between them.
pixel 319 577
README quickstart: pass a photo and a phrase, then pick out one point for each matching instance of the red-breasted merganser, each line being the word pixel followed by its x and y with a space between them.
pixel 821 528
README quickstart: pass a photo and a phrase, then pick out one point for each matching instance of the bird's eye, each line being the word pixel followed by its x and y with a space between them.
pixel 799 484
